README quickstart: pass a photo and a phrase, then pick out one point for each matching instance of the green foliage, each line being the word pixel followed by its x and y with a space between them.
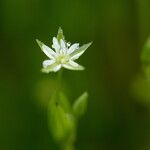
pixel 61 122
pixel 63 101
pixel 63 118
pixel 80 105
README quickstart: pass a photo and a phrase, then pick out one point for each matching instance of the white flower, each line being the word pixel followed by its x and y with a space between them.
pixel 63 54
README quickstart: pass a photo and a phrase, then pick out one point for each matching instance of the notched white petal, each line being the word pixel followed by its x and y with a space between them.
pixel 73 48
pixel 63 46
pixel 56 68
pixel 48 51
pixel 56 44
pixel 71 67
pixel 74 64
pixel 76 56
pixel 47 63
pixel 77 53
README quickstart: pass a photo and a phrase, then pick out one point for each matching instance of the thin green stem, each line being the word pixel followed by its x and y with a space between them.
pixel 59 79
pixel 69 143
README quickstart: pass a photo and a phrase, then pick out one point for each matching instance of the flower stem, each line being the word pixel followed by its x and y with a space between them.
pixel 69 143
pixel 59 79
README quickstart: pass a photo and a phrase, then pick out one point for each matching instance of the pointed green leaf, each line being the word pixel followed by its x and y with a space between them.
pixel 60 34
pixel 145 56
pixel 80 105
pixel 63 101
pixel 81 50
pixel 60 122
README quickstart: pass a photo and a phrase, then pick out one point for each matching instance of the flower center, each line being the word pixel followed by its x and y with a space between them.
pixel 62 59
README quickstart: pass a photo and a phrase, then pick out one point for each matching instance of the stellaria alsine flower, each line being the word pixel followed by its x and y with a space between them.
pixel 64 54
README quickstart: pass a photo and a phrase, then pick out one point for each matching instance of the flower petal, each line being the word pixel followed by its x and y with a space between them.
pixel 56 68
pixel 63 46
pixel 56 45
pixel 48 51
pixel 52 68
pixel 77 53
pixel 47 63
pixel 73 48
pixel 73 66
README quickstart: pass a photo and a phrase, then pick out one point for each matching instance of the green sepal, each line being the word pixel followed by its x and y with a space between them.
pixel 81 49
pixel 80 105
pixel 60 34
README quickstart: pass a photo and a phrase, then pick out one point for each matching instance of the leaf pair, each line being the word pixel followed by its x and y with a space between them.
pixel 61 122
pixel 62 117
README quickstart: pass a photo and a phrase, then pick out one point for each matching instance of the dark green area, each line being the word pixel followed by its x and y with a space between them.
pixel 118 116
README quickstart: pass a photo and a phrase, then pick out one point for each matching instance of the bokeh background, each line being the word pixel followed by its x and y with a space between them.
pixel 118 116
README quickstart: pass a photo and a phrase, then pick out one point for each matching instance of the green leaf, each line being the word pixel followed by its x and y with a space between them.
pixel 61 124
pixel 65 104
pixel 145 56
pixel 60 34
pixel 80 105
pixel 81 50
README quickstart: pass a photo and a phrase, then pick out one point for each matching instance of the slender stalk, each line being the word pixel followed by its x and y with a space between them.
pixel 59 79
pixel 69 143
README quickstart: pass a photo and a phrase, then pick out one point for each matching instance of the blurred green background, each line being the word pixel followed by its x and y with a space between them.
pixel 118 116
